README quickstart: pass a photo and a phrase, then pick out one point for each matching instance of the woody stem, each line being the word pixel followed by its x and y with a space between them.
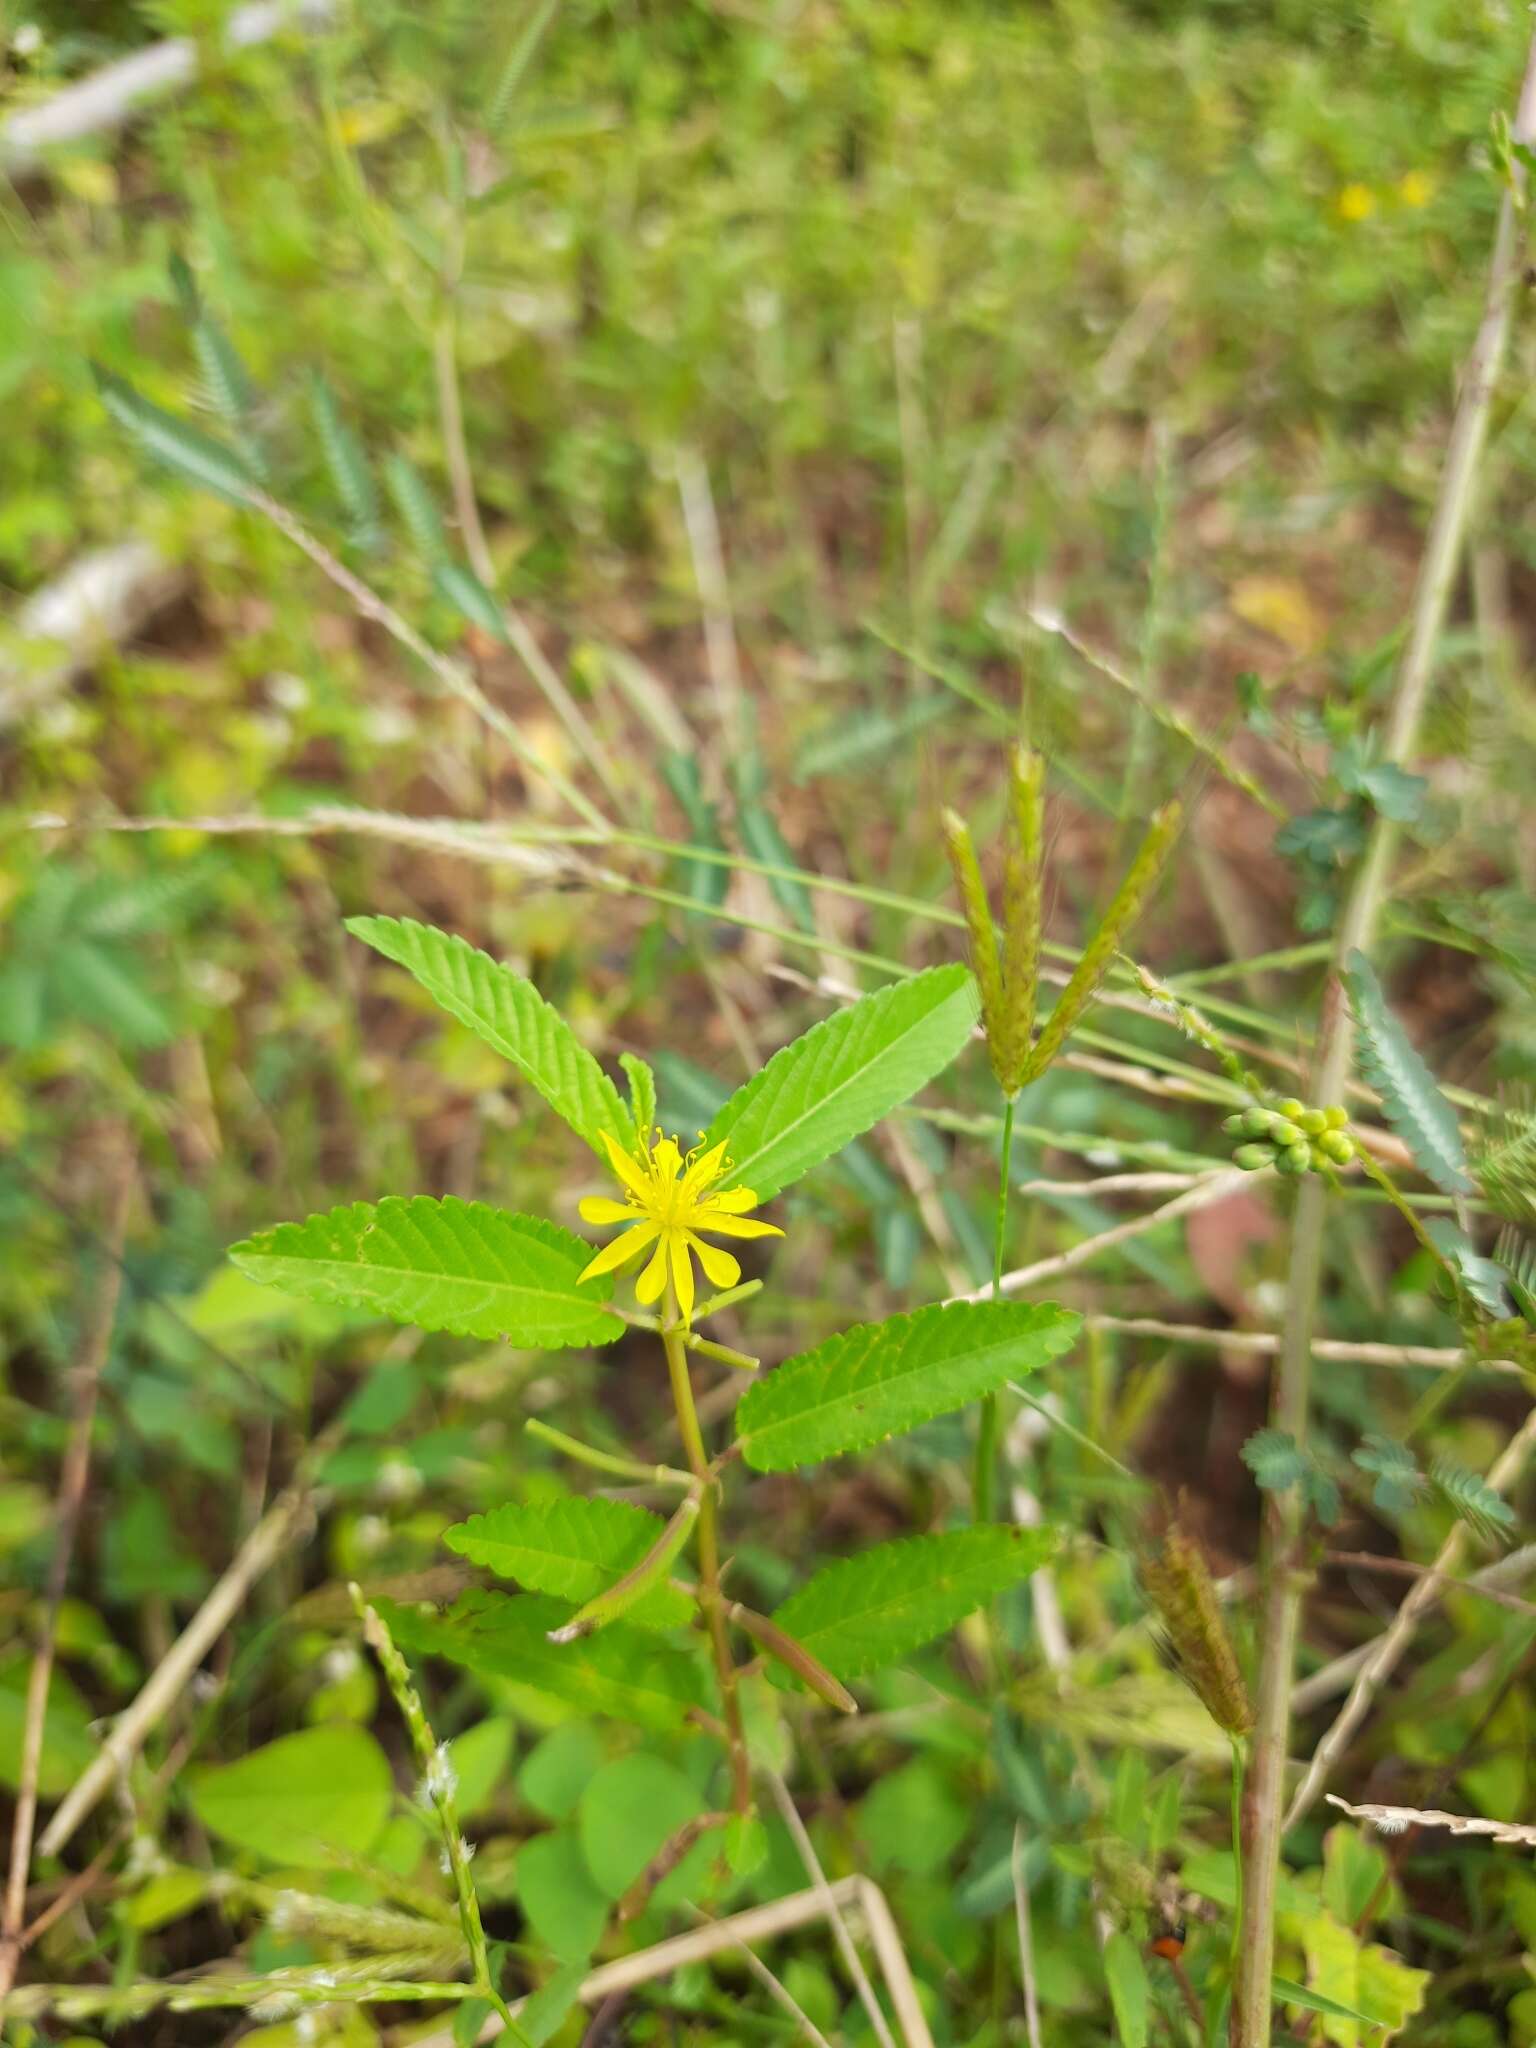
pixel 710 1598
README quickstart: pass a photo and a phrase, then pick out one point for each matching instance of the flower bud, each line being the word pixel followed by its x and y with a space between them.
pixel 1256 1122
pixel 1235 1126
pixel 1313 1122
pixel 1337 1116
pixel 1286 1133
pixel 1291 1108
pixel 1295 1158
pixel 1335 1146
pixel 1252 1157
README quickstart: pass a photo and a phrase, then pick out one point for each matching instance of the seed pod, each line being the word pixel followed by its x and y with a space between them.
pixel 1313 1122
pixel 1337 1116
pixel 1251 1157
pixel 1256 1122
pixel 1291 1108
pixel 1286 1133
pixel 1335 1146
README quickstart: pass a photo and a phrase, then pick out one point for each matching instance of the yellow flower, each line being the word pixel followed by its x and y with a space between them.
pixel 1356 202
pixel 1415 188
pixel 669 1203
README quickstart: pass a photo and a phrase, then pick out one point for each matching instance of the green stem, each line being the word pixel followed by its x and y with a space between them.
pixel 710 1598
pixel 989 1429
pixel 1237 1847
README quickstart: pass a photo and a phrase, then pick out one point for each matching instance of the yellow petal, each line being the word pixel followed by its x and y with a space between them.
pixel 682 1272
pixel 736 1200
pixel 612 1256
pixel 628 1169
pixel 703 1170
pixel 666 1160
pixel 720 1269
pixel 604 1209
pixel 734 1226
pixel 651 1282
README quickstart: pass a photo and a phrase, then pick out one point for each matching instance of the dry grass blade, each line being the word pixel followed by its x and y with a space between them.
pixel 1396 1820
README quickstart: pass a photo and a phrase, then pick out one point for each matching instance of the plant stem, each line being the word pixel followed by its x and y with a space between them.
pixel 989 1429
pixel 1263 1794
pixel 710 1598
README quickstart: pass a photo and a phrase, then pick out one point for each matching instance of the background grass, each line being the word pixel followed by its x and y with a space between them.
pixel 960 322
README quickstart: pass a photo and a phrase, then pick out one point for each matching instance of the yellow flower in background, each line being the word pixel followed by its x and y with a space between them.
pixel 669 1202
pixel 1415 188
pixel 1355 202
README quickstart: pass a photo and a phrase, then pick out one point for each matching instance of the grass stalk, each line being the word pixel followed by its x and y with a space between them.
pixel 1263 1797
pixel 989 1425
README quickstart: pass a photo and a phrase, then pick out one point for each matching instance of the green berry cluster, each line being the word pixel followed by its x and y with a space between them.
pixel 1292 1138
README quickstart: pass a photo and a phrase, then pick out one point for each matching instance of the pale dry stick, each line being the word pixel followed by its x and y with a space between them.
pixel 165 1684
pixel 850 1955
pixel 1448 1358
pixel 1150 1183
pixel 714 591
pixel 1214 1188
pixel 1388 1649
pixel 1026 1938
pixel 453 677
pixel 1263 1792
pixel 646 1965
pixel 1335 1677
pixel 920 1183
pixel 775 1990
pixel 894 1967
pixel 1396 1820
pixel 95 1343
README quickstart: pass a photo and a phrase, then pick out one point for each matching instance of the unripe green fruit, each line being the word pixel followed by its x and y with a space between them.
pixel 1235 1126
pixel 1336 1147
pixel 1256 1122
pixel 1291 1108
pixel 1251 1157
pixel 1296 1158
pixel 1313 1122
pixel 1337 1116
pixel 1285 1133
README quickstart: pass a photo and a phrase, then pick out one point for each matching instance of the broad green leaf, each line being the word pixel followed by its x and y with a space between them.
pixel 914 1818
pixel 441 1265
pixel 574 1549
pixel 631 1808
pixel 541 2017
pixel 844 1075
pixel 194 455
pixel 1410 1098
pixel 1125 1974
pixel 642 1094
pixel 557 1768
pixel 621 1672
pixel 508 1013
pixel 300 1798
pixel 481 1759
pixel 68 1744
pixel 879 1379
pixel 563 1903
pixel 865 1611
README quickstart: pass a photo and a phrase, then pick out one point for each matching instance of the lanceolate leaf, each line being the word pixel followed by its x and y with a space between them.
pixel 866 1611
pixel 193 455
pixel 442 1265
pixel 1414 1106
pixel 621 1672
pixel 509 1013
pixel 572 1548
pixel 879 1379
pixel 842 1076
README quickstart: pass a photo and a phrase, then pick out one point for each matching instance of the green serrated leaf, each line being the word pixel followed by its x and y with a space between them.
pixel 195 456
pixel 866 1611
pixel 575 1549
pixel 642 1095
pixel 844 1075
pixel 1412 1102
pixel 622 1672
pixel 508 1013
pixel 1399 1482
pixel 879 1379
pixel 441 1265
